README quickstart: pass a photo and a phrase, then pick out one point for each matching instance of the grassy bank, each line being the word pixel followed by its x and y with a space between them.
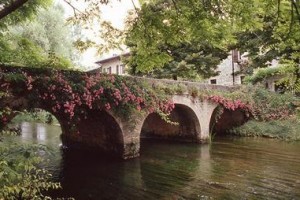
pixel 288 129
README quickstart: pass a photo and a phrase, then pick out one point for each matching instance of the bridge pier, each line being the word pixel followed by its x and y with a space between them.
pixel 205 112
pixel 131 136
pixel 105 133
pixel 202 110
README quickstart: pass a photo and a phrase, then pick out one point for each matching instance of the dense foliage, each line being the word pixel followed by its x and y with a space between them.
pixel 189 38
pixel 16 11
pixel 43 41
pixel 35 115
pixel 67 94
pixel 260 103
pixel 20 171
pixel 167 35
pixel 276 34
pixel 287 75
pixel 267 30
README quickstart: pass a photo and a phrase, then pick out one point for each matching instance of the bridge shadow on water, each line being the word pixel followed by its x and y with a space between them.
pixel 164 169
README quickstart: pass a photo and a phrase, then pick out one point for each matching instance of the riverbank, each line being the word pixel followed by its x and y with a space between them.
pixel 288 129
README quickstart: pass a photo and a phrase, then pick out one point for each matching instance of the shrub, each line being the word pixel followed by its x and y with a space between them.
pixel 20 173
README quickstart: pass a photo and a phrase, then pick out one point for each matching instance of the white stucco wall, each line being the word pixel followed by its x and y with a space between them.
pixel 113 64
pixel 225 69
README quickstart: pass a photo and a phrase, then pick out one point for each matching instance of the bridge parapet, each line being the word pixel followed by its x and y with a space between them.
pixel 154 82
pixel 188 84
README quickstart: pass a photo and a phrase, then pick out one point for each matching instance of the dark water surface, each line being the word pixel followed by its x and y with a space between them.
pixel 229 168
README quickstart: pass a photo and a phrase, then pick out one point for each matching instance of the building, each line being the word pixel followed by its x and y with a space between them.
pixel 228 69
pixel 112 65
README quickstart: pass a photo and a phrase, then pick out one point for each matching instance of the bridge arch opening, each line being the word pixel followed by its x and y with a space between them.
pixel 35 125
pixel 186 129
pixel 223 120
pixel 99 132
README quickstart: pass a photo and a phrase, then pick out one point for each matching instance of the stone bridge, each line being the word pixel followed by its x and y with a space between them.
pixel 117 130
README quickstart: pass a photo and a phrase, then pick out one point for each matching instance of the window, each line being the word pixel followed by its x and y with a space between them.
pixel 117 69
pixel 121 69
pixel 109 70
pixel 235 55
pixel 280 88
pixel 213 81
pixel 267 85
pixel 242 79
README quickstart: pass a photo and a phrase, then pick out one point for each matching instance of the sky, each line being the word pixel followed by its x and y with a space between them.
pixel 115 12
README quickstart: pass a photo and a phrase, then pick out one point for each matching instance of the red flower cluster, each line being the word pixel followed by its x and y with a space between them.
pixel 229 104
pixel 166 106
pixel 71 95
pixel 29 80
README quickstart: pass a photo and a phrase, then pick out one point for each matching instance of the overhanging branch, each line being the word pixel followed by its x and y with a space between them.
pixel 13 6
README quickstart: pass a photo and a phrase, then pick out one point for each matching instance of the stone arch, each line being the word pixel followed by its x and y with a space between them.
pixel 184 113
pixel 19 104
pixel 36 131
pixel 203 109
pixel 99 131
pixel 222 120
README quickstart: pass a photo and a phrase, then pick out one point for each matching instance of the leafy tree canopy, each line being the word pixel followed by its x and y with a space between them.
pixel 15 11
pixel 182 36
pixel 276 35
pixel 266 29
pixel 159 30
pixel 45 41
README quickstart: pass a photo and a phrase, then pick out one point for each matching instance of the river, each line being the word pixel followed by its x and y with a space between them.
pixel 229 168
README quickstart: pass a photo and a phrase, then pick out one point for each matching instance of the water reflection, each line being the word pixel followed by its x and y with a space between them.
pixel 40 133
pixel 243 168
pixel 153 175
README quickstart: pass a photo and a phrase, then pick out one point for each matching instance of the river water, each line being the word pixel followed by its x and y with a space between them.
pixel 229 168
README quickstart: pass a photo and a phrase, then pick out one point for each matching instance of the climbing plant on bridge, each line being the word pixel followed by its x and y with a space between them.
pixel 71 94
pixel 255 101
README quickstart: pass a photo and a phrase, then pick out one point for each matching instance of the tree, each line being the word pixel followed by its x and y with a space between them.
pixel 266 29
pixel 189 61
pixel 49 31
pixel 45 40
pixel 275 37
pixel 180 37
pixel 15 11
